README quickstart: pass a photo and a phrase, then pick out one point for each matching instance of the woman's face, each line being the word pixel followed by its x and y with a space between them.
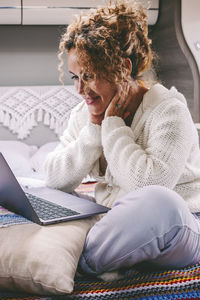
pixel 99 92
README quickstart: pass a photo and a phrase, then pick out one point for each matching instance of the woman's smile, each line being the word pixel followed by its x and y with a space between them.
pixel 91 100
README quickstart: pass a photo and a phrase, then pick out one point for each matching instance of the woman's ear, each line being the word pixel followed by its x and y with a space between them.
pixel 128 65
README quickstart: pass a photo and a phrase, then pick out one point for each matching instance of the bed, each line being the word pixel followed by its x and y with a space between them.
pixel 31 119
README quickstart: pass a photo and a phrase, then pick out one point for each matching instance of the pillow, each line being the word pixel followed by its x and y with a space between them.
pixel 37 160
pixel 41 259
pixel 18 155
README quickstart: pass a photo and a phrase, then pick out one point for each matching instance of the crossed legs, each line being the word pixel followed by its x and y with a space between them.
pixel 152 224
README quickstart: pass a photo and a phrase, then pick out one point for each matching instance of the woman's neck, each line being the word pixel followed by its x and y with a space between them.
pixel 136 94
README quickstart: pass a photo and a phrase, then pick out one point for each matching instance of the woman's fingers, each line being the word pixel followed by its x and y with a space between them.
pixel 121 102
pixel 118 103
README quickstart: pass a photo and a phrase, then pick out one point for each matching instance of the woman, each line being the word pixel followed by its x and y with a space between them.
pixel 139 143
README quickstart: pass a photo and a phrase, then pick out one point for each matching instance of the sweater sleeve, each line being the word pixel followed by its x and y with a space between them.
pixel 161 158
pixel 74 157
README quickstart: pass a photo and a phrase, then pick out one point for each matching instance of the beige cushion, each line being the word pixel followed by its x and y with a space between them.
pixel 41 259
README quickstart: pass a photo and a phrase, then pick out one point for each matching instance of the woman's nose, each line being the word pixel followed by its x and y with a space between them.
pixel 80 87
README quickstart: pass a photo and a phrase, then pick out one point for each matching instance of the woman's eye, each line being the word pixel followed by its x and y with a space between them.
pixel 74 77
pixel 88 76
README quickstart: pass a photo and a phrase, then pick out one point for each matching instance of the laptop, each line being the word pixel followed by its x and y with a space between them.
pixel 42 205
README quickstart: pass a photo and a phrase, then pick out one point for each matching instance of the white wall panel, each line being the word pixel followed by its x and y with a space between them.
pixel 61 12
pixel 10 12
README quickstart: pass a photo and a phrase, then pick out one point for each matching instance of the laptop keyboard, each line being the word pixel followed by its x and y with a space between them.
pixel 47 210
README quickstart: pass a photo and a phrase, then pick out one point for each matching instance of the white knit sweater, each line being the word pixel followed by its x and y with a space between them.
pixel 160 148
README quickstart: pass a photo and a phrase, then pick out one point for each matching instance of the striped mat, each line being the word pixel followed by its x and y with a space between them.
pixel 171 284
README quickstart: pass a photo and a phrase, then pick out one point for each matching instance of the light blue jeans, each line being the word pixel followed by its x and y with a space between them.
pixel 152 225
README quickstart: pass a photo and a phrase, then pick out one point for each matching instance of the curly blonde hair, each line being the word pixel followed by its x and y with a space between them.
pixel 104 37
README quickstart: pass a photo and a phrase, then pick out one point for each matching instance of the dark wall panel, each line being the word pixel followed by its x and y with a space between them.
pixel 176 63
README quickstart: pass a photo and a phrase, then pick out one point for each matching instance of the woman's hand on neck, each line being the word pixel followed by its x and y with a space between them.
pixel 135 97
pixel 126 100
pixel 124 103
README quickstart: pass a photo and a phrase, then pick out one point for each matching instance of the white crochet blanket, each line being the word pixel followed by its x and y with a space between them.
pixel 22 108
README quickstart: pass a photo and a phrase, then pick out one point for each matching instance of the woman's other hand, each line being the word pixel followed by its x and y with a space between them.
pixel 119 103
